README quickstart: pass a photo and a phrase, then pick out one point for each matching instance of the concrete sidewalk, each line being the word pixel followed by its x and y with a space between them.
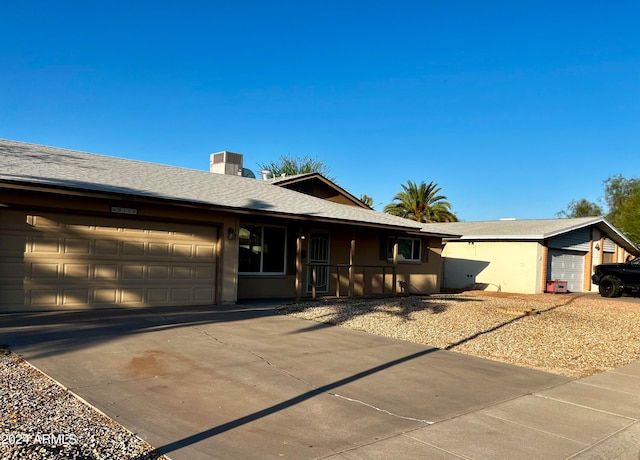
pixel 597 417
pixel 242 382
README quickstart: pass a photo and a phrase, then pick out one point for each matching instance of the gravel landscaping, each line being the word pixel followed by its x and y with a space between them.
pixel 572 335
pixel 42 420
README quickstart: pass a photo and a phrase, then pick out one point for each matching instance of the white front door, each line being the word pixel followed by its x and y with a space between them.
pixel 319 259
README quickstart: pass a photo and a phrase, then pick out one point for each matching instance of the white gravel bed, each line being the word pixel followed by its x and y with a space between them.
pixel 568 335
pixel 42 420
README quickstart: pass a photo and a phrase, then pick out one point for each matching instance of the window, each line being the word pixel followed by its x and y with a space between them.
pixel 262 249
pixel 409 249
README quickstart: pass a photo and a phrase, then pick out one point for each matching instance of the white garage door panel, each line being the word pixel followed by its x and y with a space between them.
pixel 567 266
pixel 78 261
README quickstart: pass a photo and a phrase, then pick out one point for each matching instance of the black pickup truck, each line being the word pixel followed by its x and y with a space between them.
pixel 614 279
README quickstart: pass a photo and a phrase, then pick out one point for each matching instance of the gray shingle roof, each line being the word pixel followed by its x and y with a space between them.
pixel 36 164
pixel 517 228
pixel 534 229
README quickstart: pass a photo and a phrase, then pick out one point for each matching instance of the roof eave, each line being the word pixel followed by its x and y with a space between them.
pixel 502 237
pixel 571 228
pixel 619 236
pixel 95 193
pixel 305 177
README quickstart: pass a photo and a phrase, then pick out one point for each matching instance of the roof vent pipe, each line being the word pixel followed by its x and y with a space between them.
pixel 266 174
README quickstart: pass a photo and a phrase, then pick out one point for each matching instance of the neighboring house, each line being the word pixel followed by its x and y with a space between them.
pixel 522 255
pixel 80 230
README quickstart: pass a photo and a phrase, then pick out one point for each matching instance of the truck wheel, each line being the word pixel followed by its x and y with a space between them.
pixel 609 286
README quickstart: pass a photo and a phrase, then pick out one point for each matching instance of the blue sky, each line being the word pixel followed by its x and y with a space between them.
pixel 512 108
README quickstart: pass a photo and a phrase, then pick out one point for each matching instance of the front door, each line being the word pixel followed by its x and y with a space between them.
pixel 319 262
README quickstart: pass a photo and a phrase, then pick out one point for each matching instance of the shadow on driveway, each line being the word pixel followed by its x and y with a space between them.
pixel 241 382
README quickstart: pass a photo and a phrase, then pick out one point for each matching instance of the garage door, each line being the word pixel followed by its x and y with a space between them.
pixel 567 266
pixel 59 261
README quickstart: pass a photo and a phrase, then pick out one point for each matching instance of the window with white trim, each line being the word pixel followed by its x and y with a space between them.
pixel 262 249
pixel 409 249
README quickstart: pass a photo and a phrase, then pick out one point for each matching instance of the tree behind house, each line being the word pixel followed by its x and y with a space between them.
pixel 292 165
pixel 581 208
pixel 366 199
pixel 628 218
pixel 622 197
pixel 617 192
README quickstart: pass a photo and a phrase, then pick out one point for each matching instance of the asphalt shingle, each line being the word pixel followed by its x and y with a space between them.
pixel 37 164
pixel 528 229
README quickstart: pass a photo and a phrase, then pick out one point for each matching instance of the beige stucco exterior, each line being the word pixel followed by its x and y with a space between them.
pixel 360 247
pixel 521 266
pixel 492 265
pixel 197 228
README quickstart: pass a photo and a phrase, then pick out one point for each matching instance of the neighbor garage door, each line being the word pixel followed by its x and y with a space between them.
pixel 567 266
pixel 52 261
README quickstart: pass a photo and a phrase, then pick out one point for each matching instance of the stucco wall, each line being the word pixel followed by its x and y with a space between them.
pixel 508 266
pixel 426 279
pixel 369 276
pixel 266 287
pixel 228 267
pixel 421 277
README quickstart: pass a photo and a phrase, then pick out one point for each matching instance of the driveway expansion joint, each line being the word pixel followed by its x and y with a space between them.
pixel 601 441
pixel 603 387
pixel 588 407
pixel 434 446
pixel 531 427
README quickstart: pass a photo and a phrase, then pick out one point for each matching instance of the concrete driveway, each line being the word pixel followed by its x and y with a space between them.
pixel 242 382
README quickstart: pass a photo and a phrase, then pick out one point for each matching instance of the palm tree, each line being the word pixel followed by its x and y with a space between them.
pixel 366 199
pixel 421 203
